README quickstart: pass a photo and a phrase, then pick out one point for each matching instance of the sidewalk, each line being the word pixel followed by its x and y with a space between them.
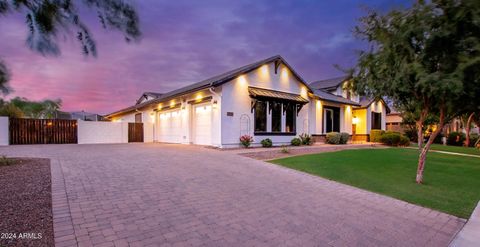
pixel 469 236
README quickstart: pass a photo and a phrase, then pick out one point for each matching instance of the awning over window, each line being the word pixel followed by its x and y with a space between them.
pixel 260 93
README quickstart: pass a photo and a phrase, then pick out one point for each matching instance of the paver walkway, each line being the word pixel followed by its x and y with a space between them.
pixel 158 194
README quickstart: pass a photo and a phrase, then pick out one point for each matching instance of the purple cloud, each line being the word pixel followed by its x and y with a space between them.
pixel 184 42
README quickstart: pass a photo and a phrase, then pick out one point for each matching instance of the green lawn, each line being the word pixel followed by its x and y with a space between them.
pixel 455 149
pixel 451 183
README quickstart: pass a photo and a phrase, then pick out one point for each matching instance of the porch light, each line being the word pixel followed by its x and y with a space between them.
pixel 214 104
pixel 242 80
pixel 355 120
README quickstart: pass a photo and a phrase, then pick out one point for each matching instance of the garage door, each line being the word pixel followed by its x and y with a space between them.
pixel 170 126
pixel 203 124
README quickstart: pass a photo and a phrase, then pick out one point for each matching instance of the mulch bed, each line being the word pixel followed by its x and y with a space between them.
pixel 26 203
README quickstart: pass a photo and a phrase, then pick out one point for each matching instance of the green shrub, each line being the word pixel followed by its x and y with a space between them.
pixel 456 138
pixel 404 141
pixel 375 135
pixel 344 137
pixel 306 139
pixel 474 137
pixel 333 138
pixel 296 142
pixel 390 139
pixel 4 161
pixel 266 143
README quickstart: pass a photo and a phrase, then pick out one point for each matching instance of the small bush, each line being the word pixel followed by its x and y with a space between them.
pixel 404 141
pixel 438 139
pixel 333 138
pixel 266 143
pixel 390 139
pixel 477 144
pixel 474 137
pixel 306 139
pixel 456 138
pixel 284 149
pixel 344 137
pixel 246 140
pixel 4 161
pixel 375 135
pixel 296 142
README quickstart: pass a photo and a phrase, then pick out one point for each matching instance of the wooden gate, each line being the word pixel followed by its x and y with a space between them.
pixel 135 132
pixel 42 131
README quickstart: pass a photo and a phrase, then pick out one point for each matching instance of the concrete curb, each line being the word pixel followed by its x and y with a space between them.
pixel 469 235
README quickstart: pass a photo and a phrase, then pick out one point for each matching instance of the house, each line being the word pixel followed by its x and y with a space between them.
pixel 367 113
pixel 265 99
pixel 394 122
pixel 79 115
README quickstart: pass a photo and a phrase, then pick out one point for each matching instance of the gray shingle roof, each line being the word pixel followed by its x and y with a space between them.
pixel 334 98
pixel 328 83
pixel 212 82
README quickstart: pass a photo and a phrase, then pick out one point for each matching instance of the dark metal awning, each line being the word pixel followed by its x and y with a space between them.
pixel 260 93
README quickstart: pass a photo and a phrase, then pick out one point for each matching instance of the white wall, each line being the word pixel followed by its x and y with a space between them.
pixel 236 99
pixel 102 132
pixel 4 131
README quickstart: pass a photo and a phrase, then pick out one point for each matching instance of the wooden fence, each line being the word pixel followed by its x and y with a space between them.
pixel 135 132
pixel 42 131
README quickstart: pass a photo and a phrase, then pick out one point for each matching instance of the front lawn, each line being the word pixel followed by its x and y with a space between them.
pixel 451 183
pixel 454 149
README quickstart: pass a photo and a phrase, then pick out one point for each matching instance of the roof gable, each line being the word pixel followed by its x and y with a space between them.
pixel 329 84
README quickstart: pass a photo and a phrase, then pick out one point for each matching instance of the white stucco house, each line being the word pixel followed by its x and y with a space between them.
pixel 265 99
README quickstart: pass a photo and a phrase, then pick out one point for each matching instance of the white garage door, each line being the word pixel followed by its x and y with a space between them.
pixel 203 124
pixel 170 126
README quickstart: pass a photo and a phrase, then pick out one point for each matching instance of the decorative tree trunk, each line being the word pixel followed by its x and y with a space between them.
pixel 423 153
pixel 467 129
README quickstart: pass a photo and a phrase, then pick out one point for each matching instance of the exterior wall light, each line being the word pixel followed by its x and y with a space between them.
pixel 355 120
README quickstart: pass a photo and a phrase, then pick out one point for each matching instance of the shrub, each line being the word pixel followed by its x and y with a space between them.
pixel 456 138
pixel 404 141
pixel 4 161
pixel 306 139
pixel 474 137
pixel 375 135
pixel 284 149
pixel 296 142
pixel 246 140
pixel 477 144
pixel 344 137
pixel 266 143
pixel 438 139
pixel 390 139
pixel 333 138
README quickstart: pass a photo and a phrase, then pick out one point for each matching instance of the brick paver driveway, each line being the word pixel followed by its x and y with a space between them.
pixel 155 194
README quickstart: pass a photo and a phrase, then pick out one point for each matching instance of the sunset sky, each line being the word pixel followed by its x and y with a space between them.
pixel 185 42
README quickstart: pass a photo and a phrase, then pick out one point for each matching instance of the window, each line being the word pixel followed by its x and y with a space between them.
pixel 349 94
pixel 138 118
pixel 276 117
pixel 376 120
pixel 290 118
pixel 261 116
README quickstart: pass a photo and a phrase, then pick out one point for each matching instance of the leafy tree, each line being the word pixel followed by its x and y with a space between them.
pixel 37 109
pixel 49 19
pixel 426 59
pixel 11 111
